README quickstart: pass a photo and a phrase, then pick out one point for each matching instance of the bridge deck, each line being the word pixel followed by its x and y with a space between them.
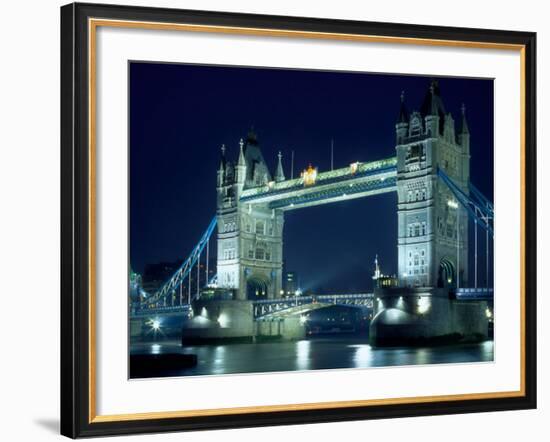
pixel 354 181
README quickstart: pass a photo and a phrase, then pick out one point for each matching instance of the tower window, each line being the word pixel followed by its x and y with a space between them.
pixel 260 227
pixel 260 253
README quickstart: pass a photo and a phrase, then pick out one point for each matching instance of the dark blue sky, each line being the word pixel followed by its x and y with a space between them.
pixel 181 114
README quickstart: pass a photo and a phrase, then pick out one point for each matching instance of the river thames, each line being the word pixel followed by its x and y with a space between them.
pixel 319 353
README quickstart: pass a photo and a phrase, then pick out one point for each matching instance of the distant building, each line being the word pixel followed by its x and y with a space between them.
pixel 135 287
pixel 381 280
pixel 155 275
pixel 290 284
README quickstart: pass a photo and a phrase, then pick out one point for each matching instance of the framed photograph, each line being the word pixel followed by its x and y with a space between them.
pixel 274 220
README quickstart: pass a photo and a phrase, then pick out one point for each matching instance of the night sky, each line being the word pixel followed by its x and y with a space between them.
pixel 180 115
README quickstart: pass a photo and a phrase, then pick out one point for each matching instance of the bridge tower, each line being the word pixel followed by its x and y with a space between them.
pixel 250 236
pixel 432 226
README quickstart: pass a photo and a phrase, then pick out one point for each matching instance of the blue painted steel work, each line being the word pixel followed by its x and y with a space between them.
pixel 477 207
pixel 481 198
pixel 473 294
pixel 176 280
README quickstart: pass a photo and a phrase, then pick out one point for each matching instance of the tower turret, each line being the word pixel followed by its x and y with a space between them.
pixel 240 169
pixel 464 133
pixel 257 172
pixel 449 128
pixel 464 142
pixel 402 124
pixel 279 173
pixel 221 169
pixel 433 110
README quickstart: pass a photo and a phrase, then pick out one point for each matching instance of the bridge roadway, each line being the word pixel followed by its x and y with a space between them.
pixel 296 306
pixel 355 181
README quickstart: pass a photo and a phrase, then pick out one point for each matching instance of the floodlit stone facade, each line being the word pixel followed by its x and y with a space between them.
pixel 250 236
pixel 432 225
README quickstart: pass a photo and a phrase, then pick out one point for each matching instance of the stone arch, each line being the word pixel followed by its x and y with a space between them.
pixel 257 287
pixel 446 273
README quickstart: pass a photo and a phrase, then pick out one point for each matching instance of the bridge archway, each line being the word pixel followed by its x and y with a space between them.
pixel 256 287
pixel 446 274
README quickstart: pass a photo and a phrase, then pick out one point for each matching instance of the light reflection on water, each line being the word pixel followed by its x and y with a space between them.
pixel 311 354
pixel 302 355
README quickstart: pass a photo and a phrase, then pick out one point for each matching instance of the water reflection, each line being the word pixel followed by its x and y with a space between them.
pixel 156 349
pixel 311 354
pixel 362 356
pixel 302 355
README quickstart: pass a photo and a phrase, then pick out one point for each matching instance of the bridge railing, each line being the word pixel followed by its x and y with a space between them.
pixel 160 310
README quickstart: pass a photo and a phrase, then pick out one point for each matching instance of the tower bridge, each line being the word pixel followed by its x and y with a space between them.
pixel 430 173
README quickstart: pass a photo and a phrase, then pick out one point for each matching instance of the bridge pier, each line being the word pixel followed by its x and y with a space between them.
pixel 416 316
pixel 289 328
pixel 213 320
pixel 233 320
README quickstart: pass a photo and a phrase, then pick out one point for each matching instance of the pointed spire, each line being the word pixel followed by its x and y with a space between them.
pixel 222 160
pixel 241 161
pixel 433 104
pixel 403 114
pixel 433 110
pixel 376 268
pixel 279 173
pixel 464 127
pixel 252 137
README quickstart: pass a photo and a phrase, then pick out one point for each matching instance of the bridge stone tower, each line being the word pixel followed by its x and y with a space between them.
pixel 432 226
pixel 250 236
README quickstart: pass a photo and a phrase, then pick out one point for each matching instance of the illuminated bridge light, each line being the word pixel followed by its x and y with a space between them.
pixel 452 204
pixel 309 175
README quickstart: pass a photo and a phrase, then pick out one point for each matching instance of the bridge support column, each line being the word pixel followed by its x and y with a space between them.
pixel 289 328
pixel 216 320
pixel 418 316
